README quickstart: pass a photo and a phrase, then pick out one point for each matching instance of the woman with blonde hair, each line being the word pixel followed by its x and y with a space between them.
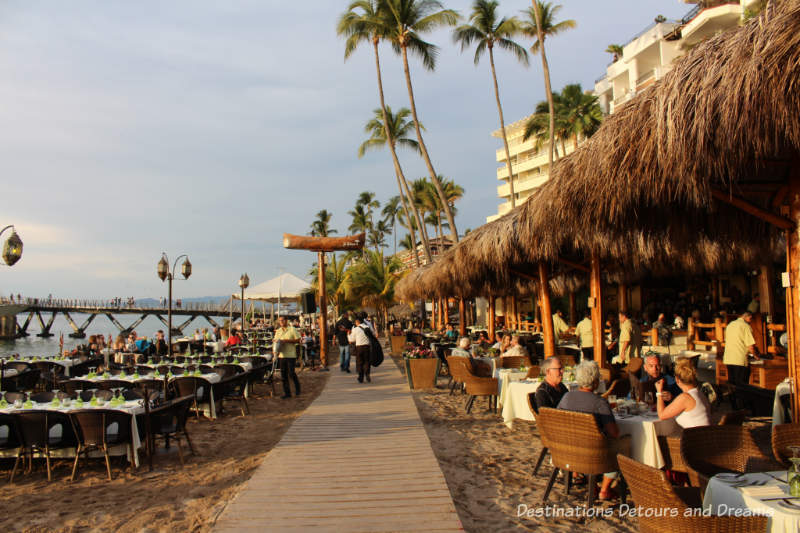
pixel 691 408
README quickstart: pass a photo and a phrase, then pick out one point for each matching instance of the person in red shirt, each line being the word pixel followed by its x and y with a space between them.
pixel 233 340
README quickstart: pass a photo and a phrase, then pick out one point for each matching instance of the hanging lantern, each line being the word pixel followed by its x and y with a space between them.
pixel 12 249
pixel 163 268
pixel 186 269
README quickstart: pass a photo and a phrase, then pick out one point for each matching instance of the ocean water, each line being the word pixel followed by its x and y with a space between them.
pixel 33 345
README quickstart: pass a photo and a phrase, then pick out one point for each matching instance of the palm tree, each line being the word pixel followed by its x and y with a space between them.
pixel 367 199
pixel 486 30
pixel 321 226
pixel 405 21
pixel 390 211
pixel 407 243
pixel 426 199
pixel 373 282
pixel 615 50
pixel 540 24
pixel 361 222
pixel 365 21
pixel 399 130
pixel 577 115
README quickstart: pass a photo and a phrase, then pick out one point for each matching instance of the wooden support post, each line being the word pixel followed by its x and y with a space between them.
pixel 547 314
pixel 462 318
pixel 767 298
pixel 793 303
pixel 690 333
pixel 323 312
pixel 572 309
pixel 490 318
pixel 622 297
pixel 504 306
pixel 515 311
pixel 719 335
pixel 442 312
pixel 596 291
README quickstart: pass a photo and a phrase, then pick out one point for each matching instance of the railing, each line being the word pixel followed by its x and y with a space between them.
pixel 121 304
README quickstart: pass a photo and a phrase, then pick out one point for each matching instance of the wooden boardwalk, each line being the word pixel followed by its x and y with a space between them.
pixel 358 459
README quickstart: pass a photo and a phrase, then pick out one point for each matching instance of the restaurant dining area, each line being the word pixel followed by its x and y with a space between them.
pixel 648 346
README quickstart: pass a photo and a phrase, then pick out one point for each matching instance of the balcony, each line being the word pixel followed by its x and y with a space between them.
pixel 521 186
pixel 711 20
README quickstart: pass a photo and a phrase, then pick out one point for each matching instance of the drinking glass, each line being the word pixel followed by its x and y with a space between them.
pixel 793 474
pixel 612 401
pixel 648 398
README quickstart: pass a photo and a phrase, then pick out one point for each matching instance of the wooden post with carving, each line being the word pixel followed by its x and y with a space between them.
pixel 323 245
pixel 598 333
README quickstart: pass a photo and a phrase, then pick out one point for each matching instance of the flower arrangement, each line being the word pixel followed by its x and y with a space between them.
pixel 418 352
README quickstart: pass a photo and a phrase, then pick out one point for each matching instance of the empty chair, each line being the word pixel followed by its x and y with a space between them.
pixel 533 372
pixel 98 429
pixel 480 386
pixel 12 397
pixel 234 389
pixel 566 359
pixel 733 418
pixel 650 489
pixel 19 366
pixel 710 450
pixel 515 361
pixel 50 374
pixel 42 397
pixel 168 421
pixel 459 371
pixel 783 436
pixel 9 434
pixel 71 386
pixel 227 370
pixel 108 384
pixel 35 430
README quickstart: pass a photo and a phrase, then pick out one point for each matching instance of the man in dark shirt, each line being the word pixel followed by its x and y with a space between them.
pixel 652 373
pixel 551 390
pixel 343 327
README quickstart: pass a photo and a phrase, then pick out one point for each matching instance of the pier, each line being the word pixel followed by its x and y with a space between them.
pixel 37 309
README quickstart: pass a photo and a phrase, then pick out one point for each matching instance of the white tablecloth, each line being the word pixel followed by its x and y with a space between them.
pixel 705 360
pixel 644 431
pixel 66 363
pixel 784 387
pixel 133 407
pixel 504 377
pixel 723 497
pixel 515 399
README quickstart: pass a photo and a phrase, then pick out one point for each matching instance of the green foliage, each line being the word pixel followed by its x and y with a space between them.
pixel 484 29
pixel 549 25
pixel 577 114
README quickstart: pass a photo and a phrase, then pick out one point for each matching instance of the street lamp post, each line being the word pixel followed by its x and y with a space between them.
pixel 165 274
pixel 12 249
pixel 244 282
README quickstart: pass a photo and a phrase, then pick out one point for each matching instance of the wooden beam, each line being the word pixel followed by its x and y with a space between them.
pixel 523 275
pixel 596 291
pixel 323 311
pixel 780 196
pixel 323 244
pixel 490 318
pixel 462 318
pixel 572 264
pixel 747 207
pixel 547 313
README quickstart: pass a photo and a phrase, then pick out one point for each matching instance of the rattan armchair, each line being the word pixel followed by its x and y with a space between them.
pixel 710 450
pixel 533 372
pixel 650 489
pixel 576 444
pixel 93 428
pixel 783 436
pixel 459 371
pixel 480 386
pixel 515 361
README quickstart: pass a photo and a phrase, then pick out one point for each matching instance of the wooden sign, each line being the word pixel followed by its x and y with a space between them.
pixel 324 244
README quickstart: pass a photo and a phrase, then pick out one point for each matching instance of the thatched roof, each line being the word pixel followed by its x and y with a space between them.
pixel 638 193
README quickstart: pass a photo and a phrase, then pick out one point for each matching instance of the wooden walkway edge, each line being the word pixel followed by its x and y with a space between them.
pixel 358 459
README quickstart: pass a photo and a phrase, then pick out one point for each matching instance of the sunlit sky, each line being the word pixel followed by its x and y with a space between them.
pixel 210 128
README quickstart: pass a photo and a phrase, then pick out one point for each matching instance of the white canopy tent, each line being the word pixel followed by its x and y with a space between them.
pixel 279 289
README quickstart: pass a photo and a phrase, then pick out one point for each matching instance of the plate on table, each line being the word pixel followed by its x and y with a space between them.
pixel 789 506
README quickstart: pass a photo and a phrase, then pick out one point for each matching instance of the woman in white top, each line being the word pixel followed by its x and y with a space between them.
pixel 691 408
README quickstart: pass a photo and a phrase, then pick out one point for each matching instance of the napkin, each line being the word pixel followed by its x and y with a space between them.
pixel 764 491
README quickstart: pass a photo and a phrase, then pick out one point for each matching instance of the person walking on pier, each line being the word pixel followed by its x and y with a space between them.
pixel 343 327
pixel 285 337
pixel 362 349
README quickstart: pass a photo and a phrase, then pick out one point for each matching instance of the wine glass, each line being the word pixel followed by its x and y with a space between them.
pixel 648 398
pixel 793 474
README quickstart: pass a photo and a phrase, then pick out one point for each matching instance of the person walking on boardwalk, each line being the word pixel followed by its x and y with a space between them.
pixel 362 349
pixel 285 339
pixel 343 327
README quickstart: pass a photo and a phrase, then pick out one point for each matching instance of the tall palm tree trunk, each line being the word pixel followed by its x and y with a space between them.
pixel 503 129
pixel 401 179
pixel 425 156
pixel 547 87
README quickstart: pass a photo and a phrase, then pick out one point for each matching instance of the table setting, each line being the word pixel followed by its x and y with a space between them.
pixel 638 420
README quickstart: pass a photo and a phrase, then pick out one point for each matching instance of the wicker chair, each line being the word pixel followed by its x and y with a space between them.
pixel 480 386
pixel 566 360
pixel 620 388
pixel 460 368
pixel 234 388
pixel 169 422
pixel 533 406
pixel 576 444
pixel 533 372
pixel 783 436
pixel 35 433
pixel 650 489
pixel 92 428
pixel 515 361
pixel 710 450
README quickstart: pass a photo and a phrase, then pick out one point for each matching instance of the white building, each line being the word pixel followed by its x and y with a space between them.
pixel 646 57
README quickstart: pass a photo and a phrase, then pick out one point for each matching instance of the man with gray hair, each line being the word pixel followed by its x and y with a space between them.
pixel 462 350
pixel 551 390
pixel 584 400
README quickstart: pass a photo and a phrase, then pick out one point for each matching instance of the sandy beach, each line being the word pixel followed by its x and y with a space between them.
pixel 171 498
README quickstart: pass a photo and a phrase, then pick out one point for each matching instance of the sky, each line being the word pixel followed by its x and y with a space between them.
pixel 210 128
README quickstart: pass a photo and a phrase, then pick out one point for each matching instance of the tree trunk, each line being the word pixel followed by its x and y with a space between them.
pixel 434 177
pixel 401 179
pixel 547 87
pixel 503 129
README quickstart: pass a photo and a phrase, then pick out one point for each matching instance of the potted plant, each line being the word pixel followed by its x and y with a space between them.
pixel 422 367
pixel 398 341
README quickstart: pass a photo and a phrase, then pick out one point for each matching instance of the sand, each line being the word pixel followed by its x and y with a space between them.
pixel 171 498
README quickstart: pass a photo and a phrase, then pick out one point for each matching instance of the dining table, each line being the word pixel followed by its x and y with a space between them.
pixel 514 398
pixel 133 407
pixel 66 362
pixel 644 429
pixel 760 493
